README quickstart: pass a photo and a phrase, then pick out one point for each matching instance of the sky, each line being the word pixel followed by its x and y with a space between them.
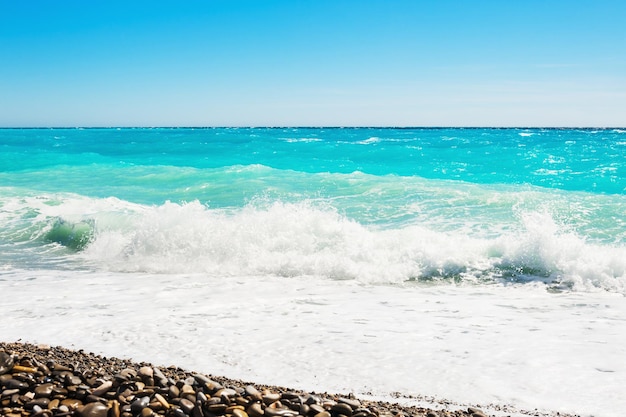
pixel 313 63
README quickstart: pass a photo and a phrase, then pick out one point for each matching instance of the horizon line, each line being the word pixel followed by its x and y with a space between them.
pixel 310 127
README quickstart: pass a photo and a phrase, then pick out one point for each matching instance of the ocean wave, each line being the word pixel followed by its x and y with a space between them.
pixel 306 238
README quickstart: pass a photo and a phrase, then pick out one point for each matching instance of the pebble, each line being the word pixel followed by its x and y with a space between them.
pixel 352 402
pixel 56 382
pixel 94 410
pixel 15 384
pixel 162 401
pixel 139 404
pixel 71 403
pixel 44 390
pixel 102 388
pixel 147 375
pixel 6 363
pixel 239 413
pixel 342 408
pixel 39 402
pixel 476 412
pixel 256 410
pixel 187 405
pixel 253 393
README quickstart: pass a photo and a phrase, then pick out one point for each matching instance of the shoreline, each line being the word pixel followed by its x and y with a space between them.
pixel 48 381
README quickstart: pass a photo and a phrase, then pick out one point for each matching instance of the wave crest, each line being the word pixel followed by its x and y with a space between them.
pixel 300 239
pixel 306 238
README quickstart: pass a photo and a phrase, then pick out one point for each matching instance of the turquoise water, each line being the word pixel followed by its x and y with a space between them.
pixel 374 205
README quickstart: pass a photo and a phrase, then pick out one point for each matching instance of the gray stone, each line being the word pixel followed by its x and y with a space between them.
pixel 38 402
pixel 6 363
pixel 139 404
pixel 15 384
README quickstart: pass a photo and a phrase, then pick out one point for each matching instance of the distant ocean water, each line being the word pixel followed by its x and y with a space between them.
pixel 468 217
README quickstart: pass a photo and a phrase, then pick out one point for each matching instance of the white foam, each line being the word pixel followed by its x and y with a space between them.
pixel 495 344
pixel 312 238
pixel 302 140
pixel 295 239
pixel 369 141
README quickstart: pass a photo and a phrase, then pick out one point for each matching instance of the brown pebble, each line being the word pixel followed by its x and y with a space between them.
pixel 476 412
pixel 40 402
pixel 102 388
pixel 186 405
pixel 342 408
pixel 71 403
pixel 43 390
pixel 217 408
pixel 128 374
pixel 353 403
pixel 270 397
pixel 59 392
pixel 162 400
pixel 27 369
pixel 253 393
pixel 187 389
pixel 231 408
pixel 256 410
pixel 93 410
pixel 54 404
pixel 114 406
pixel 58 367
pixel 147 412
pixel 174 392
pixel 146 371
pixel 228 392
pixel 239 413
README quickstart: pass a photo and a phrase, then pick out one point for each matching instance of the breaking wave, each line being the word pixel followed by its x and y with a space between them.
pixel 306 238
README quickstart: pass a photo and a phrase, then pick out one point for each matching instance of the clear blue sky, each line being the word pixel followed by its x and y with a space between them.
pixel 313 62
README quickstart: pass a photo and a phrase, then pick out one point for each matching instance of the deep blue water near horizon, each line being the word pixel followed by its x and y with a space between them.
pixel 382 205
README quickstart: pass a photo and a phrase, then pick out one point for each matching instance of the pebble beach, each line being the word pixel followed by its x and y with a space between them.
pixel 46 381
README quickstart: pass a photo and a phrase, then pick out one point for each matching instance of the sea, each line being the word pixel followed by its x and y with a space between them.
pixel 447 267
